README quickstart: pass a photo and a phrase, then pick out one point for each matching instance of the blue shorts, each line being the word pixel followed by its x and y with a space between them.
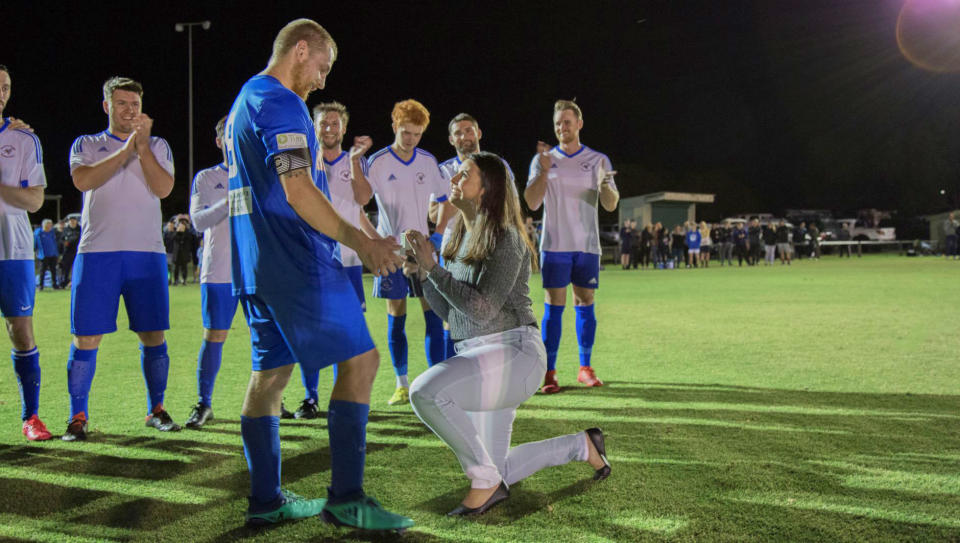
pixel 392 287
pixel 355 274
pixel 100 279
pixel 560 269
pixel 218 305
pixel 18 286
pixel 316 327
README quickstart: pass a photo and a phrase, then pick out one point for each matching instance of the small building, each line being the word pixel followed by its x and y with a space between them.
pixel 669 208
pixel 937 235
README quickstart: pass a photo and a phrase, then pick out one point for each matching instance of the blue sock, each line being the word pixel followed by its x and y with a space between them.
pixel 347 428
pixel 448 349
pixel 155 364
pixel 551 328
pixel 81 366
pixel 433 342
pixel 311 380
pixel 26 364
pixel 397 343
pixel 208 365
pixel 261 446
pixel 586 331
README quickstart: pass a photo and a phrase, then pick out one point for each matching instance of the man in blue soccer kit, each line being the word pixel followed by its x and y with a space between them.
pixel 299 303
pixel 22 182
pixel 218 304
pixel 463 133
pixel 568 180
pixel 123 173
pixel 330 121
pixel 403 176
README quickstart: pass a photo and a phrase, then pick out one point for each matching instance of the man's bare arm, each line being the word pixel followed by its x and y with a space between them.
pixel 92 176
pixel 362 191
pixel 158 180
pixel 536 190
pixel 28 198
pixel 609 197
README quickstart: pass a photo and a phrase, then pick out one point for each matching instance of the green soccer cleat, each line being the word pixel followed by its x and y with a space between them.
pixel 294 507
pixel 365 513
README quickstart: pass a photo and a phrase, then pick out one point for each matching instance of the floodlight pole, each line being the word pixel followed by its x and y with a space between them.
pixel 179 27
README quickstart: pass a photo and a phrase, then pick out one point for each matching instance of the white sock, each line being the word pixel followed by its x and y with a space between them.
pixel 402 381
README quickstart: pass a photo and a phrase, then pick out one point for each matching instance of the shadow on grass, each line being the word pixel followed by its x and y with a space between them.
pixel 678 447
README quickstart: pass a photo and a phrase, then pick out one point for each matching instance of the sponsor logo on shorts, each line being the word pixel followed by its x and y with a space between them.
pixel 592 281
pixel 292 140
pixel 24 307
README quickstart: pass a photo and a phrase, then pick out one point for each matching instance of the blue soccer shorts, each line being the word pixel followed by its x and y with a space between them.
pixel 559 269
pixel 391 287
pixel 18 286
pixel 315 326
pixel 218 305
pixel 355 274
pixel 100 279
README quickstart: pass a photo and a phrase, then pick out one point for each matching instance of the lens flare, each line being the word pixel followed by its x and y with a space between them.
pixel 928 34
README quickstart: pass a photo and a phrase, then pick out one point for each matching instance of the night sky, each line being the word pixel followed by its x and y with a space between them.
pixel 768 104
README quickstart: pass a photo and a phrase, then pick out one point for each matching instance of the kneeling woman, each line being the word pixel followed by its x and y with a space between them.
pixel 471 399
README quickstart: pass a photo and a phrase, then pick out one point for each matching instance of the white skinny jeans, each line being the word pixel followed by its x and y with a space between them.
pixel 471 400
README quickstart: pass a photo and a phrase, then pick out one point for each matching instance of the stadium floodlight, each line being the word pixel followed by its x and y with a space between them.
pixel 179 27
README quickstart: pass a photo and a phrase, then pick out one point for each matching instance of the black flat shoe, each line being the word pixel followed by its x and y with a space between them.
pixel 500 494
pixel 595 435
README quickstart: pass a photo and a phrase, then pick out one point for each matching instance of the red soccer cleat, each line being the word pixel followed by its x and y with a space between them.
pixel 35 429
pixel 550 385
pixel 588 378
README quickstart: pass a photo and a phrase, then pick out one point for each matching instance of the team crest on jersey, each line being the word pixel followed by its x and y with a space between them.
pixel 345 176
pixel 586 166
pixel 7 151
pixel 420 178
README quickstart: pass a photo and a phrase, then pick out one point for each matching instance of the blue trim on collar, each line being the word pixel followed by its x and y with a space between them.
pixel 405 163
pixel 338 159
pixel 6 123
pixel 582 147
pixel 107 132
pixel 222 166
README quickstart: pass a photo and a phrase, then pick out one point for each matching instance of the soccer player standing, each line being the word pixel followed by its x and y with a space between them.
pixel 123 173
pixel 22 182
pixel 299 303
pixel 208 211
pixel 568 180
pixel 403 176
pixel 330 120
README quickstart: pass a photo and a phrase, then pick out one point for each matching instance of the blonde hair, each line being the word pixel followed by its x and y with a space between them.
pixel 299 30
pixel 499 210
pixel 562 105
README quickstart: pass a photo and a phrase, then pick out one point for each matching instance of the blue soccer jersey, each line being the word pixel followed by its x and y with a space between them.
pixel 274 251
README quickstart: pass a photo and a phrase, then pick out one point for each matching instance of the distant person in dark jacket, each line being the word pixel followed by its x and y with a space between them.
pixel 769 236
pixel 950 228
pixel 741 244
pixel 755 247
pixel 799 239
pixel 69 240
pixel 646 245
pixel 184 245
pixel 48 252
pixel 626 244
pixel 843 234
pixel 814 234
pixel 783 243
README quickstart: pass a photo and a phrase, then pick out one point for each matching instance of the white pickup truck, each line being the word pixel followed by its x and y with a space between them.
pixel 858 232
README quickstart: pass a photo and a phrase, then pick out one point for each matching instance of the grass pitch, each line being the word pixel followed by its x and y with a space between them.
pixel 817 402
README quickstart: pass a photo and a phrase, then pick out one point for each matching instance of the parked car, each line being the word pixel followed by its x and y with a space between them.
pixel 858 232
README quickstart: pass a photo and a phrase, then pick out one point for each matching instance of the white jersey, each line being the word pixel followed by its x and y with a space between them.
pixel 208 211
pixel 570 221
pixel 341 196
pixel 122 214
pixel 403 190
pixel 21 165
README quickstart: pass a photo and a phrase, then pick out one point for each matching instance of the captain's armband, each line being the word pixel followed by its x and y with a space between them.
pixel 291 159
